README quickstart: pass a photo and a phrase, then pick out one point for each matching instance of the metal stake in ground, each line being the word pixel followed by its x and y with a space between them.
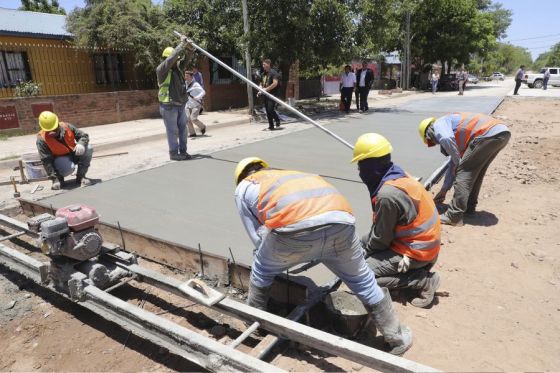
pixel 272 97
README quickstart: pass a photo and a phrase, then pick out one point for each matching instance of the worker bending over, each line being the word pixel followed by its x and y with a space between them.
pixel 61 146
pixel 404 240
pixel 472 141
pixel 294 217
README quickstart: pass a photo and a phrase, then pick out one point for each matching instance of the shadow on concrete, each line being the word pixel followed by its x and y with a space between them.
pixel 390 109
pixel 481 219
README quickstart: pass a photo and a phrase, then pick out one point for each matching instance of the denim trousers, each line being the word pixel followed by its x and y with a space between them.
pixel 337 246
pixel 434 85
pixel 65 164
pixel 175 121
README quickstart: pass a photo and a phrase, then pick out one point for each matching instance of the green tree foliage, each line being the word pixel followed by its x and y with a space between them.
pixel 506 59
pixel 42 6
pixel 548 59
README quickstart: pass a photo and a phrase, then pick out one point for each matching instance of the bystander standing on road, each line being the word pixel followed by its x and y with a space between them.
pixel 364 80
pixel 172 99
pixel 347 84
pixel 462 80
pixel 545 79
pixel 195 93
pixel 518 78
pixel 435 81
pixel 270 82
pixel 197 75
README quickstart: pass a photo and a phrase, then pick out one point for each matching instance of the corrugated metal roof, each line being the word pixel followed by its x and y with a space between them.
pixel 20 22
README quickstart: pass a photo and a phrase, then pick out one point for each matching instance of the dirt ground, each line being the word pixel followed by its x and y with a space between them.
pixel 501 272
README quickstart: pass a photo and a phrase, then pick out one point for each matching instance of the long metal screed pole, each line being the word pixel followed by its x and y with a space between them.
pixel 291 109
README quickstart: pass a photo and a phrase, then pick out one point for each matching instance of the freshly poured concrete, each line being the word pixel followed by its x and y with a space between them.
pixel 192 202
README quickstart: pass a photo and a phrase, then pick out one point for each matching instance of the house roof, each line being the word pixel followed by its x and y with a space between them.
pixel 32 24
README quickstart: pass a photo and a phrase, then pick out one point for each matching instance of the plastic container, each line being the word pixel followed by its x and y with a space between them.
pixel 79 217
pixel 33 166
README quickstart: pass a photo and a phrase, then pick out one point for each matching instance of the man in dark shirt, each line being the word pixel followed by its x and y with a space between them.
pixel 61 146
pixel 364 80
pixel 269 83
pixel 518 78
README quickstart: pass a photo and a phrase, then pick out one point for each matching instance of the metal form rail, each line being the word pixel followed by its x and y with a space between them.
pixel 203 351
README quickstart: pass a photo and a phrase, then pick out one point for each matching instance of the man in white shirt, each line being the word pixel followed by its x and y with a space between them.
pixel 364 77
pixel 192 108
pixel 347 83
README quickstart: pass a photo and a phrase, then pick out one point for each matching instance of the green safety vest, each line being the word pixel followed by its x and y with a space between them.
pixel 163 94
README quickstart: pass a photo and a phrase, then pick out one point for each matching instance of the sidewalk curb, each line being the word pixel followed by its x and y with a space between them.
pixel 12 163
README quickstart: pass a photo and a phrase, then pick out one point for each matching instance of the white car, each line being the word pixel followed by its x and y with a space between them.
pixel 536 80
pixel 498 76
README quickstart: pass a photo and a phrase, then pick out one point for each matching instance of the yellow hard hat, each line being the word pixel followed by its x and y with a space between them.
pixel 167 52
pixel 422 128
pixel 242 165
pixel 371 145
pixel 48 121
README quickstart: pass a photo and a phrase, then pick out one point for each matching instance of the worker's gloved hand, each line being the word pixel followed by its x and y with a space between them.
pixel 55 185
pixel 404 264
pixel 79 149
pixel 440 196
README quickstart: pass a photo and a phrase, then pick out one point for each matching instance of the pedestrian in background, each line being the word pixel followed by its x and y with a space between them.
pixel 194 104
pixel 347 84
pixel 197 75
pixel 435 81
pixel 364 79
pixel 518 78
pixel 270 82
pixel 545 79
pixel 462 79
pixel 172 97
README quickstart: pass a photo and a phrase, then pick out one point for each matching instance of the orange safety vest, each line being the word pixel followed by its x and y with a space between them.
pixel 57 148
pixel 288 197
pixel 471 126
pixel 420 239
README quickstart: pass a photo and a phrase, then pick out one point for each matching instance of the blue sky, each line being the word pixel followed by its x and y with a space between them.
pixel 535 23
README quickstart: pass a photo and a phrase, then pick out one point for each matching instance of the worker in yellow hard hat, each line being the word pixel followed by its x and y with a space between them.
pixel 472 141
pixel 404 240
pixel 172 97
pixel 61 147
pixel 294 217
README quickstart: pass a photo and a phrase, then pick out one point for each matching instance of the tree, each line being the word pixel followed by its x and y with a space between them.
pixel 547 59
pixel 506 58
pixel 42 6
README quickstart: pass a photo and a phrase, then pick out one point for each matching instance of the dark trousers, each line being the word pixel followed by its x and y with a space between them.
pixel 271 115
pixel 357 98
pixel 545 83
pixel 517 85
pixel 364 92
pixel 346 96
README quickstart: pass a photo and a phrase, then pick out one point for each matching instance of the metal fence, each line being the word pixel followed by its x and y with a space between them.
pixel 61 68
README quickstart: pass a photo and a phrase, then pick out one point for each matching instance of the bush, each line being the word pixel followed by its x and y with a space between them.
pixel 27 89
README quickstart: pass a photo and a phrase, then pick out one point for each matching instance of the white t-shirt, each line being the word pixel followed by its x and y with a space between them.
pixel 348 80
pixel 363 78
pixel 196 94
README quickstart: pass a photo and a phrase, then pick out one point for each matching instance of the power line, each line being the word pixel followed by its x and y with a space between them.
pixel 535 37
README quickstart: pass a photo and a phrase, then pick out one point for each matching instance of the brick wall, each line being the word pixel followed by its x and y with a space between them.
pixel 219 97
pixel 82 109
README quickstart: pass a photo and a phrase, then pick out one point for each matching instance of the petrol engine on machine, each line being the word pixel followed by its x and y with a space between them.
pixel 70 233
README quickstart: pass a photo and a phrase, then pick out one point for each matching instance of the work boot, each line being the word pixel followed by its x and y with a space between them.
pixel 185 156
pixel 57 183
pixel 83 181
pixel 399 337
pixel 428 291
pixel 193 135
pixel 175 156
pixel 258 297
pixel 444 219
pixel 203 131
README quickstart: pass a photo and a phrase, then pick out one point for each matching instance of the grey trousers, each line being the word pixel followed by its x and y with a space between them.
pixel 385 265
pixel 470 173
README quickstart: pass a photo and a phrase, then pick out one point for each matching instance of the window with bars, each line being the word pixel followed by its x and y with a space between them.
pixel 14 68
pixel 108 68
pixel 219 75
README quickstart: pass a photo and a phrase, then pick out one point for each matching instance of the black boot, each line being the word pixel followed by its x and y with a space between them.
pixel 174 156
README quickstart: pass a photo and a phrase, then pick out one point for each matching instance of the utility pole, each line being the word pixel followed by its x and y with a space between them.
pixel 247 56
pixel 407 81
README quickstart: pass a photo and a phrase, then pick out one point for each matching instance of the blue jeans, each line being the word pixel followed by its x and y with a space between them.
pixel 65 164
pixel 434 85
pixel 337 246
pixel 175 121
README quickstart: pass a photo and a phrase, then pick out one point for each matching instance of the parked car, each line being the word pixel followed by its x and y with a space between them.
pixel 498 76
pixel 448 82
pixel 536 80
pixel 472 79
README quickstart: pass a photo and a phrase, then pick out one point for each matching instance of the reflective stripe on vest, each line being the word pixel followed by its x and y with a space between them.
pixel 471 126
pixel 56 147
pixel 163 94
pixel 420 239
pixel 288 197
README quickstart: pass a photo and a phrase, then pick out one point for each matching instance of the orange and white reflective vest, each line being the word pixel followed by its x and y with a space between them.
pixel 288 197
pixel 56 147
pixel 471 126
pixel 420 239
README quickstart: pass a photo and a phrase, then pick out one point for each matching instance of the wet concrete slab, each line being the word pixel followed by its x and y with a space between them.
pixel 192 202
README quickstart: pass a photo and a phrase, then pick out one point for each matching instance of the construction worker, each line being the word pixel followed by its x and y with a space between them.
pixel 61 146
pixel 172 98
pixel 472 141
pixel 404 240
pixel 294 217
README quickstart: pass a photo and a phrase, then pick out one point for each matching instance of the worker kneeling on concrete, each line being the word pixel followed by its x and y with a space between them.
pixel 61 147
pixel 472 141
pixel 404 240
pixel 294 217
